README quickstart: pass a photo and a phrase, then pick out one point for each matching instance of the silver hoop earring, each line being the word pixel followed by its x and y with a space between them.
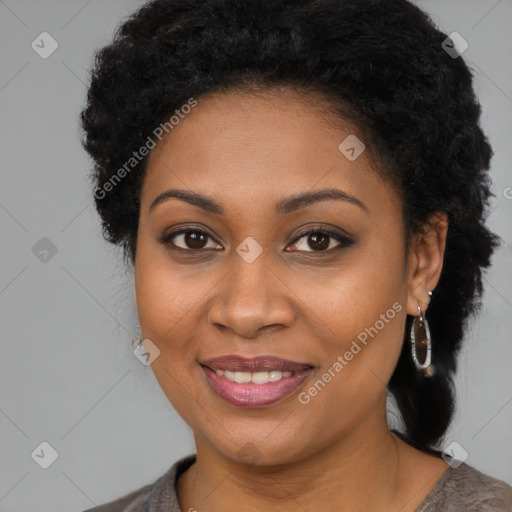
pixel 421 346
pixel 136 342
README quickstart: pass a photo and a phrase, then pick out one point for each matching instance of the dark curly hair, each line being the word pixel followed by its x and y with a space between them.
pixel 382 65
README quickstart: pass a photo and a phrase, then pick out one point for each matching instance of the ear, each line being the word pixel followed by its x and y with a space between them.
pixel 425 261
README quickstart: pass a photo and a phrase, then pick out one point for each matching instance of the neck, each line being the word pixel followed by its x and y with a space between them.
pixel 358 472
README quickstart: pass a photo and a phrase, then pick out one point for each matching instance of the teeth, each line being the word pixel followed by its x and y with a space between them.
pixel 242 377
pixel 256 377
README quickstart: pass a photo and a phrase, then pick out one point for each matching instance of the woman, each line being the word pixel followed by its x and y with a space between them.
pixel 300 187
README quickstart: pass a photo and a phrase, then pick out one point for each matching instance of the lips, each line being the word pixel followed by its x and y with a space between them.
pixel 236 363
pixel 257 382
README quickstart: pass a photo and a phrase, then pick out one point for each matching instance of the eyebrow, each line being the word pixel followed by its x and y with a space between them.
pixel 287 205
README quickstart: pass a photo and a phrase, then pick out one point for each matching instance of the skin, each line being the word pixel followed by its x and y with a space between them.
pixel 248 152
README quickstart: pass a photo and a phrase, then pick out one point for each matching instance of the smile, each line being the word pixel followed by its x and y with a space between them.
pixel 255 377
pixel 255 389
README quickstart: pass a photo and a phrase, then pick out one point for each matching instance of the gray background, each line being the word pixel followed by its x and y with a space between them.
pixel 67 373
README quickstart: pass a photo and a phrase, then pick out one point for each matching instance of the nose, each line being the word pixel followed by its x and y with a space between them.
pixel 252 298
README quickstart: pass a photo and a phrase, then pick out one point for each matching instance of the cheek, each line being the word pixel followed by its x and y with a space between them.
pixel 362 290
pixel 161 291
pixel 358 360
pixel 163 296
pixel 165 303
pixel 364 310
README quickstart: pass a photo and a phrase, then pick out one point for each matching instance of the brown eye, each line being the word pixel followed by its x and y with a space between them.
pixel 195 240
pixel 319 240
pixel 189 239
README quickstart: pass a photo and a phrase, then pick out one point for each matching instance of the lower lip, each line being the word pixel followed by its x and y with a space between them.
pixel 254 395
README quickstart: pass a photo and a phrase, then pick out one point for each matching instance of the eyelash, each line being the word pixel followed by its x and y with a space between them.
pixel 344 241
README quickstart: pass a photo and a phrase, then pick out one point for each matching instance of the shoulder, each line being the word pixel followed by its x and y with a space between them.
pixel 132 502
pixel 161 492
pixel 465 488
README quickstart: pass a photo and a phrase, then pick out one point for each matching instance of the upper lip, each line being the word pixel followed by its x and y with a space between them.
pixel 236 363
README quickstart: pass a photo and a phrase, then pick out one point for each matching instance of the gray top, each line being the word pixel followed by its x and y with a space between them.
pixel 463 489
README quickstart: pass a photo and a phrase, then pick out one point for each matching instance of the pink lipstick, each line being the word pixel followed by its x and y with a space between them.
pixel 254 382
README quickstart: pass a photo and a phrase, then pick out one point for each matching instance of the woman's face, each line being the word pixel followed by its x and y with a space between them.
pixel 254 285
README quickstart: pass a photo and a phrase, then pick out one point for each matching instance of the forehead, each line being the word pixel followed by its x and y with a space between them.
pixel 251 148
